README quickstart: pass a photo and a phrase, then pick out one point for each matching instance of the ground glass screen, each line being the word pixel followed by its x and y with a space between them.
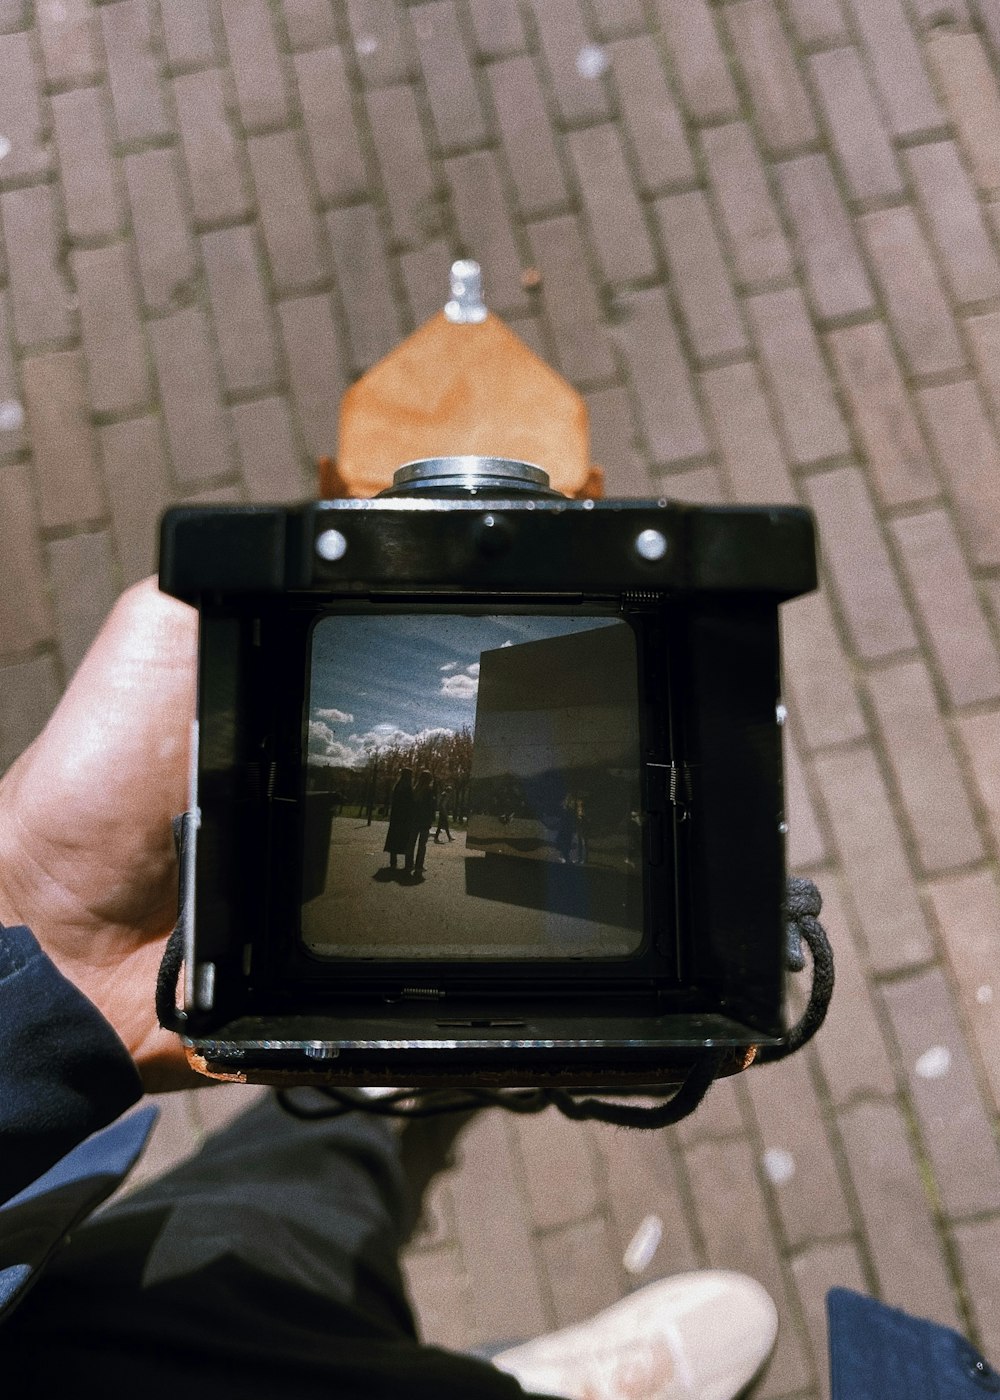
pixel 472 788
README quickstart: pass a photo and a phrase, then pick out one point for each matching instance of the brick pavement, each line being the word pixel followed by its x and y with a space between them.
pixel 767 232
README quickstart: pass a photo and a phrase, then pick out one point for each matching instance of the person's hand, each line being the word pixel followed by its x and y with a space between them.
pixel 86 848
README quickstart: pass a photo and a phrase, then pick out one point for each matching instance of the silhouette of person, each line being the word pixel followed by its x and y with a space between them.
pixel 421 821
pixel 397 838
pixel 444 802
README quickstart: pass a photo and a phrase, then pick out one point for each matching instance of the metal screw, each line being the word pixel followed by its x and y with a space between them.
pixel 331 545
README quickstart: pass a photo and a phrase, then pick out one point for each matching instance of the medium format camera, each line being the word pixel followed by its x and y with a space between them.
pixel 488 786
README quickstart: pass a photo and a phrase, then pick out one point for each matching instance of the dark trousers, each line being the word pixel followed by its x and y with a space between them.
pixel 266 1266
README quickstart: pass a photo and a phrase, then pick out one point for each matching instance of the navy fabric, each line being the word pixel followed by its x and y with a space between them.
pixel 880 1353
pixel 65 1072
pixel 66 1075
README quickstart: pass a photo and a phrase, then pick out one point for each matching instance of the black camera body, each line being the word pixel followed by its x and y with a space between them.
pixel 583 697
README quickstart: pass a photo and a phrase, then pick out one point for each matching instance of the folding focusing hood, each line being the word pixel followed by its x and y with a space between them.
pixel 488 785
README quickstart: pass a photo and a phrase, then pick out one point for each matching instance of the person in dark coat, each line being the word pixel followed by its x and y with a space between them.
pixel 424 810
pixel 397 838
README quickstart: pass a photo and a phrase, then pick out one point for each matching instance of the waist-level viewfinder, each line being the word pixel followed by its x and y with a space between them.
pixel 488 784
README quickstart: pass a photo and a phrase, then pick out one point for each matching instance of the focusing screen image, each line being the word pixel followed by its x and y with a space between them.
pixel 472 788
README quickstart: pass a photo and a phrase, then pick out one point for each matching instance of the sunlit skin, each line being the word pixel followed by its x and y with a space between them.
pixel 86 848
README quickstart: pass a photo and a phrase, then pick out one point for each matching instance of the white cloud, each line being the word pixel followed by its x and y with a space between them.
pixel 461 687
pixel 449 666
pixel 473 670
pixel 335 716
pixel 505 644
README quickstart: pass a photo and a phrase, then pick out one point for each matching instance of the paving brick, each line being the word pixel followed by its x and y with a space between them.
pixel 242 315
pixel 899 464
pixel 527 138
pixel 816 1271
pixel 290 228
pixel 309 23
pixel 84 587
pixel 21 119
pixel 563 36
pixel 163 241
pixel 778 99
pixel 90 189
pixel 822 685
pixel 984 335
pixel 980 736
pixel 25 609
pixel 12 435
pixel 485 227
pixel 967 911
pixel 851 1047
pixel 496 1245
pixel 790 1119
pixel 758 249
pixel 930 15
pixel 498 28
pixel 966 447
pixel 425 275
pixel 696 485
pixel 978 1245
pixel 955 1126
pixel 529 328
pixel 379 42
pixel 197 430
pixel 988 16
pixel 806 846
pixel 719 1117
pixel 966 83
pixel 327 109
pixel 256 64
pixel 907 1252
pixel 437 1283
pixel 211 152
pixel 40 297
pixel 613 443
pixel 560 1180
pixel 956 222
pixel 66 31
pixel 135 474
pixel 700 278
pixel 859 565
pixel 893 54
pixel 62 441
pixel 411 189
pixel 571 306
pixel 859 138
pixel 271 465
pixel 110 320
pixel 924 767
pixel 835 276
pixel 315 370
pixel 752 455
pixel 650 115
pixel 706 84
pixel 949 605
pixel 580 1269
pixel 807 410
pixel 616 19
pixel 668 410
pixel 641 1181
pixel 140 112
pixel 189 33
pixel 735 1223
pixel 28 694
pixel 873 861
pixel 364 284
pixel 449 80
pixel 915 301
pixel 613 211
pixel 13 16
pixel 818 21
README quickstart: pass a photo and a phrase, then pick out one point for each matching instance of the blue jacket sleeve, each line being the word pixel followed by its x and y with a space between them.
pixel 64 1073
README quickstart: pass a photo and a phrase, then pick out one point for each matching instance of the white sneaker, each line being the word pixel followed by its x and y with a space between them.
pixel 697 1336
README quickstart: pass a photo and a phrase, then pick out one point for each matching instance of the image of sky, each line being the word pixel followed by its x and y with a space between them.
pixel 380 679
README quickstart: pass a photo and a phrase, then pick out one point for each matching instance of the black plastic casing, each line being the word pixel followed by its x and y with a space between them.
pixel 710 971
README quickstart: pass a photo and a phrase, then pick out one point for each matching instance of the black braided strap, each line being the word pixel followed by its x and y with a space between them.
pixel 803 902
